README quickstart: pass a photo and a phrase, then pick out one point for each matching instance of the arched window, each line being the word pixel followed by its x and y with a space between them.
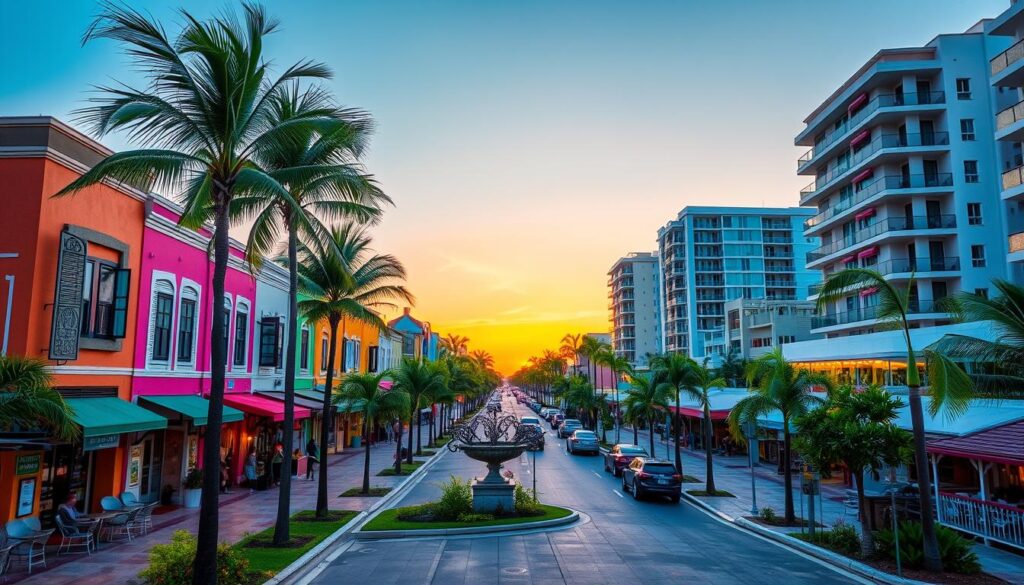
pixel 304 349
pixel 324 345
pixel 161 319
pixel 226 330
pixel 241 339
pixel 188 317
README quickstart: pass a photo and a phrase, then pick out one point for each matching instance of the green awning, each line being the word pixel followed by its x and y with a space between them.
pixel 113 416
pixel 191 406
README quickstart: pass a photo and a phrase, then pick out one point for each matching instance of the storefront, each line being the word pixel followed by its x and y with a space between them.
pixel 344 426
pixel 310 426
pixel 262 429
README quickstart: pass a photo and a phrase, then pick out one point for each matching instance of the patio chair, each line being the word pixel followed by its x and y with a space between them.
pixel 31 546
pixel 33 523
pixel 5 557
pixel 75 537
pixel 122 524
pixel 111 504
pixel 145 519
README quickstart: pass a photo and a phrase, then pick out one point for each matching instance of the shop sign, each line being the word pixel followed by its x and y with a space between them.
pixel 193 451
pixel 133 466
pixel 26 496
pixel 26 465
pixel 100 442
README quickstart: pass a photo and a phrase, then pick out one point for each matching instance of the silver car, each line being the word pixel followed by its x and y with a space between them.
pixel 582 441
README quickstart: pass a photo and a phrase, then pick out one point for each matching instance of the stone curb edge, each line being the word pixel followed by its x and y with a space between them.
pixel 383 534
pixel 298 568
pixel 827 556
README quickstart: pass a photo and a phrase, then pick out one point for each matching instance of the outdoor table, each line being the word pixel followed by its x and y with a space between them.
pixel 100 517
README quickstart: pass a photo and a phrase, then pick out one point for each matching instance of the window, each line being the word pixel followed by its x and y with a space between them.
pixel 304 351
pixel 978 256
pixel 162 327
pixel 270 328
pixel 970 171
pixel 323 352
pixel 963 88
pixel 981 292
pixel 967 129
pixel 974 214
pixel 226 332
pixel 241 329
pixel 786 339
pixel 104 287
pixel 280 344
pixel 186 330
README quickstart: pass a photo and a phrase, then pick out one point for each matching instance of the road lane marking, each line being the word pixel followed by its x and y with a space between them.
pixel 616 492
pixel 596 473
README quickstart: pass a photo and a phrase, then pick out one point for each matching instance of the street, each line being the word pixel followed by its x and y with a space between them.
pixel 621 540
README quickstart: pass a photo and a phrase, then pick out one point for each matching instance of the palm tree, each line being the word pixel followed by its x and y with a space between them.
pixel 950 387
pixel 483 359
pixel 733 367
pixel 578 394
pixel 618 365
pixel 775 385
pixel 455 344
pixel 571 349
pixel 673 372
pixel 202 119
pixel 323 180
pixel 28 400
pixel 646 401
pixel 343 280
pixel 703 381
pixel 363 392
pixel 590 347
pixel 417 379
pixel 438 395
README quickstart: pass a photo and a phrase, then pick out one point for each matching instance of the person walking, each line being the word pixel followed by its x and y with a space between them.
pixel 275 464
pixel 250 471
pixel 390 431
pixel 312 458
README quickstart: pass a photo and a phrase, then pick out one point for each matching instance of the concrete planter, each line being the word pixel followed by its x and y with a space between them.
pixel 192 498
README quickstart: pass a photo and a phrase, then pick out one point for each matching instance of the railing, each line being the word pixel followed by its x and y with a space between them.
pixel 1007 58
pixel 1017 242
pixel 1010 115
pixel 990 520
pixel 775 283
pixel 782 268
pixel 869 314
pixel 759 319
pixel 778 239
pixel 879 143
pixel 1013 178
pixel 887 182
pixel 882 101
pixel 900 265
pixel 815 288
pixel 891 224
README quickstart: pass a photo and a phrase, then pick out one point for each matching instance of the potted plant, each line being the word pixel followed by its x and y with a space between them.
pixel 193 487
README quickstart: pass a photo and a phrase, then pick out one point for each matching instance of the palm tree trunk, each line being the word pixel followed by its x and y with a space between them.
pixel 284 495
pixel 615 381
pixel 867 539
pixel 650 425
pixel 366 456
pixel 636 435
pixel 786 470
pixel 398 450
pixel 677 429
pixel 419 433
pixel 413 411
pixel 204 568
pixel 932 558
pixel 708 432
pixel 328 418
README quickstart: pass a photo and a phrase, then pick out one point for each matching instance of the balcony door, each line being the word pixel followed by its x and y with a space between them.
pixel 927 133
pixel 934 212
pixel 924 93
pixel 931 173
pixel 937 253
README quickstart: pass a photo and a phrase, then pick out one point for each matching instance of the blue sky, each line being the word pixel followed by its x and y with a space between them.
pixel 529 144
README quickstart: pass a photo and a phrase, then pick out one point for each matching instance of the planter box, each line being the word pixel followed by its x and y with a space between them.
pixel 192 498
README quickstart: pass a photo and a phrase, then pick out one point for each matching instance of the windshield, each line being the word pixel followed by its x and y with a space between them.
pixel 585 435
pixel 633 451
pixel 572 422
pixel 529 420
pixel 666 468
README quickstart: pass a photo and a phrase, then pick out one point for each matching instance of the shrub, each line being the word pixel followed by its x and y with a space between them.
pixel 456 500
pixel 844 539
pixel 194 479
pixel 768 514
pixel 526 503
pixel 171 564
pixel 416 512
pixel 957 556
pixel 476 517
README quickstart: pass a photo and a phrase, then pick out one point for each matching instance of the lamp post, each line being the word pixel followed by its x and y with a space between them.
pixel 750 431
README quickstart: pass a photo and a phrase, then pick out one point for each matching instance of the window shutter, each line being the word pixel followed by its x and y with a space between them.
pixel 122 283
pixel 67 298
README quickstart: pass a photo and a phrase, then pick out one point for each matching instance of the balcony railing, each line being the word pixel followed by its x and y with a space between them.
pixel 815 289
pixel 891 224
pixel 779 268
pixel 1010 115
pixel 1013 177
pixel 869 314
pixel 885 183
pixel 882 101
pixel 880 143
pixel 901 265
pixel 757 319
pixel 1007 57
pixel 990 520
pixel 1017 242
pixel 778 239
pixel 779 283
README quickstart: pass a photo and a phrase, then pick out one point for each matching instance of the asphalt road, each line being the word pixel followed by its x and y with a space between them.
pixel 625 541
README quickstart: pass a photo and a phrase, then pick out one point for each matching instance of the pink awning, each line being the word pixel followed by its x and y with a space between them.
pixel 848 259
pixel 863 175
pixel 857 102
pixel 260 406
pixel 860 138
pixel 869 291
pixel 865 214
pixel 872 251
pixel 699 413
pixel 386 384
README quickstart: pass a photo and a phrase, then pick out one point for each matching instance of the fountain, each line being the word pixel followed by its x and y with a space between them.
pixel 502 439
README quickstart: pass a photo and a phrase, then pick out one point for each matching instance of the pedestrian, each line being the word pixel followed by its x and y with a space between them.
pixel 228 465
pixel 250 471
pixel 312 458
pixel 223 478
pixel 390 430
pixel 296 456
pixel 275 464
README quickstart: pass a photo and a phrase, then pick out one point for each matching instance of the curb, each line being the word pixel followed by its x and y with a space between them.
pixel 707 507
pixel 507 528
pixel 310 561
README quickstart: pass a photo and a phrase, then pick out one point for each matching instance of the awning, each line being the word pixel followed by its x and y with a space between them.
pixel 1003 444
pixel 869 291
pixel 857 102
pixel 848 259
pixel 872 251
pixel 862 175
pixel 189 406
pixel 113 416
pixel 386 384
pixel 261 406
pixel 859 138
pixel 865 214
pixel 300 401
pixel 318 396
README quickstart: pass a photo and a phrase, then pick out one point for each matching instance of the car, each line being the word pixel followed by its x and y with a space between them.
pixel 543 412
pixel 568 426
pixel 649 476
pixel 582 441
pixel 529 420
pixel 556 420
pixel 540 445
pixel 535 406
pixel 620 456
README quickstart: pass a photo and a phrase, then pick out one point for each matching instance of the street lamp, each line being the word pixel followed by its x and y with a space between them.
pixel 750 431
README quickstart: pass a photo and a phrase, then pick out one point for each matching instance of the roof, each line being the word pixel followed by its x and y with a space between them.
pixel 190 406
pixel 881 345
pixel 300 400
pixel 407 323
pixel 1003 444
pixel 113 416
pixel 721 402
pixel 261 406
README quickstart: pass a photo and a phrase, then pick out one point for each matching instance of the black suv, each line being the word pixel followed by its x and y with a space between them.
pixel 652 476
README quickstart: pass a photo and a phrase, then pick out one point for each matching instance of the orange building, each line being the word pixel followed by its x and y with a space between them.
pixel 68 284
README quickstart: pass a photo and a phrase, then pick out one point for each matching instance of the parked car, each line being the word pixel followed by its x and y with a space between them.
pixel 568 426
pixel 652 476
pixel 529 420
pixel 582 441
pixel 620 456
pixel 556 420
pixel 540 445
pixel 535 406
pixel 545 412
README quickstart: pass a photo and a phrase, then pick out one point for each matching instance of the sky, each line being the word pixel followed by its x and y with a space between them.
pixel 529 144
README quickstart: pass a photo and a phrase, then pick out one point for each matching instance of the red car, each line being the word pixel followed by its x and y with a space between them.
pixel 620 456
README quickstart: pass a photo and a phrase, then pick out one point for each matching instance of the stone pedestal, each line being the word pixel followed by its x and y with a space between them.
pixel 489 497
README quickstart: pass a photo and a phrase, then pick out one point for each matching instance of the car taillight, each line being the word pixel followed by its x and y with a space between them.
pixel 643 475
pixel 619 458
pixel 677 477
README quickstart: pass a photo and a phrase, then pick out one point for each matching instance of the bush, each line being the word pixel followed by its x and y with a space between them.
pixel 768 514
pixel 476 517
pixel 456 500
pixel 171 564
pixel 194 479
pixel 957 556
pixel 526 503
pixel 844 539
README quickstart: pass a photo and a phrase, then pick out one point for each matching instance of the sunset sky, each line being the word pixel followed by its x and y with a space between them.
pixel 529 144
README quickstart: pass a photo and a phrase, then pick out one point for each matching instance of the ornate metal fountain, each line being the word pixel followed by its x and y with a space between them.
pixel 494 438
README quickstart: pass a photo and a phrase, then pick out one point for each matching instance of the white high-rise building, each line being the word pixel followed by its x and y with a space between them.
pixel 633 304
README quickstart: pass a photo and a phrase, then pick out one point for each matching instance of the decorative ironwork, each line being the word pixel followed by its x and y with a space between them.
pixel 493 428
pixel 66 323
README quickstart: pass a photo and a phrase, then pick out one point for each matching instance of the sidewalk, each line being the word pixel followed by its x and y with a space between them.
pixel 732 474
pixel 240 513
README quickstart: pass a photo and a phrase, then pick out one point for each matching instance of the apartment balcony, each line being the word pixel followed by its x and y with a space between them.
pixel 759 319
pixel 778 239
pixel 814 289
pixel 904 185
pixel 897 103
pixel 1013 183
pixel 779 268
pixel 883 230
pixel 1016 248
pixel 779 283
pixel 877 152
pixel 919 267
pixel 871 314
pixel 1010 123
pixel 1007 68
pixel 780 296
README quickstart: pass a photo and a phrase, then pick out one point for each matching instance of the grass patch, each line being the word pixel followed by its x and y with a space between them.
pixel 714 494
pixel 407 468
pixel 691 479
pixel 267 560
pixel 332 516
pixel 388 520
pixel 428 453
pixel 357 492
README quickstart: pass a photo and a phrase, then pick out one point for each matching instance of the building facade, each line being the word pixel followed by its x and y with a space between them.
pixel 755 327
pixel 710 255
pixel 633 304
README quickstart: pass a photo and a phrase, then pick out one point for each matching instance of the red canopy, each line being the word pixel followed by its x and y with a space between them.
pixel 261 406
pixel 699 413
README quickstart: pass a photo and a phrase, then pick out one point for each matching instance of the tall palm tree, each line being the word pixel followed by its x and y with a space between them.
pixel 578 395
pixel 324 180
pixel 363 392
pixel 28 400
pixel 438 396
pixel 646 401
pixel 201 121
pixel 776 385
pixel 455 344
pixel 703 381
pixel 618 365
pixel 950 387
pixel 673 372
pixel 590 347
pixel 571 349
pixel 344 280
pixel 417 379
pixel 483 359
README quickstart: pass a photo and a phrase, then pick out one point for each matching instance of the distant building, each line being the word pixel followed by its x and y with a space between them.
pixel 633 303
pixel 418 341
pixel 755 327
